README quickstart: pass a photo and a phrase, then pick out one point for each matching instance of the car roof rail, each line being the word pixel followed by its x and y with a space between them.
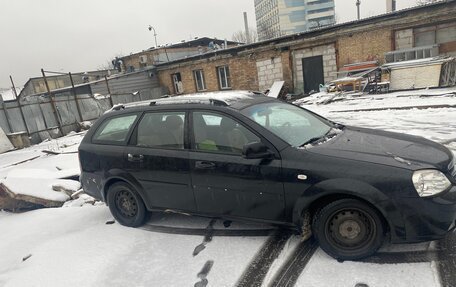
pixel 210 101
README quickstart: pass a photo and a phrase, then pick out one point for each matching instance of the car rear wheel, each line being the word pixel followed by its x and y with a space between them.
pixel 126 205
pixel 348 229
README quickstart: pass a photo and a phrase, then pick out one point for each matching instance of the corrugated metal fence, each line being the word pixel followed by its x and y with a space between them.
pixel 43 116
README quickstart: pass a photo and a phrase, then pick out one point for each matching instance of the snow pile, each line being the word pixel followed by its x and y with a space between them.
pixel 358 101
pixel 40 183
pixel 41 175
pixel 82 200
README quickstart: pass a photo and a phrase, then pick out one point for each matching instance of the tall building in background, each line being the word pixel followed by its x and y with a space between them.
pixel 282 17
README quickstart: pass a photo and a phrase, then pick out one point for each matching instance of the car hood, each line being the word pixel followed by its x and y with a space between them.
pixel 387 148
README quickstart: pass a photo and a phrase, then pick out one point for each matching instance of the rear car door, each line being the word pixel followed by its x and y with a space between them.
pixel 226 183
pixel 156 156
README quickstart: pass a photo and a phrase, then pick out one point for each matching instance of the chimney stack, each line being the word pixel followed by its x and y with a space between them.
pixel 247 32
pixel 358 3
pixel 390 6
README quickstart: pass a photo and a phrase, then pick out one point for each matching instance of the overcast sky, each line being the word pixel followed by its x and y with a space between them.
pixel 81 35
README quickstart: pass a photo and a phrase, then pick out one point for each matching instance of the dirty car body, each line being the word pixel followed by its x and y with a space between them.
pixel 241 155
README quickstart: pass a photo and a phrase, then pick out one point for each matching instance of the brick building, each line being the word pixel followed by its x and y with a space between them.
pixel 305 60
pixel 171 52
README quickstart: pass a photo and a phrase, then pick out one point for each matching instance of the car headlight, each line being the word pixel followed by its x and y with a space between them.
pixel 430 182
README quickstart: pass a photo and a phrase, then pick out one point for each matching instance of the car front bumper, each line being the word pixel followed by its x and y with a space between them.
pixel 427 219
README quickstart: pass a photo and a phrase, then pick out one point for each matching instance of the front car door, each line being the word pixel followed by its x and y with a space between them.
pixel 158 159
pixel 226 183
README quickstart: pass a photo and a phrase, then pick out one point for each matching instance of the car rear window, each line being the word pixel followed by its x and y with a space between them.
pixel 114 129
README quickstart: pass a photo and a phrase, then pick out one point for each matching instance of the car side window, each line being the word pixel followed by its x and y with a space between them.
pixel 161 130
pixel 218 133
pixel 114 129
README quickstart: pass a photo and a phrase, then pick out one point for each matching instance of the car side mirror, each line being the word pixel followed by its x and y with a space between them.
pixel 256 150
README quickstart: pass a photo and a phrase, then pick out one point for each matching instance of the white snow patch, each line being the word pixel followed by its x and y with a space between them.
pixel 82 200
pixel 324 271
pixel 38 183
pixel 74 247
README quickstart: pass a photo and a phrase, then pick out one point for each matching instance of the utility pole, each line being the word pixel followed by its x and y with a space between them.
pixel 358 3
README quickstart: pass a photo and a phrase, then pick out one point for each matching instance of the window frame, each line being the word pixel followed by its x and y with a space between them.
pixel 191 133
pixel 175 84
pixel 203 80
pixel 133 140
pixel 116 143
pixel 227 78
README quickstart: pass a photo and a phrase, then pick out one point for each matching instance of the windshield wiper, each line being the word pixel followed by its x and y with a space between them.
pixel 313 140
pixel 331 133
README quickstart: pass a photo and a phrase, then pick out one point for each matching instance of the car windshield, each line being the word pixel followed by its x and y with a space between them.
pixel 294 125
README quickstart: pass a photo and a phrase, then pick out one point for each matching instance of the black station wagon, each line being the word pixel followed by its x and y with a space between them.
pixel 242 155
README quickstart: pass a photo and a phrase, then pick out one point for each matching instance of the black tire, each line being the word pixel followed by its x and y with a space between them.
pixel 126 205
pixel 348 229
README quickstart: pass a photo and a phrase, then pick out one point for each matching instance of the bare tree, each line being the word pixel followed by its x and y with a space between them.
pixel 242 37
pixel 106 66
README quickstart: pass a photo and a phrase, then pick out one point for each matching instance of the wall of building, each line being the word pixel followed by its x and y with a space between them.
pixel 365 46
pixel 269 71
pixel 248 71
pixel 443 35
pixel 404 39
pixel 158 56
pixel 257 66
pixel 284 17
pixel 242 74
pixel 329 64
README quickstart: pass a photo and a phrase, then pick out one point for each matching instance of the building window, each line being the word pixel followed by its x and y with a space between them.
pixel 199 80
pixel 177 83
pixel 224 77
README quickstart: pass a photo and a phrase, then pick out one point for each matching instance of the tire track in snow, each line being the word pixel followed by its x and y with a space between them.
pixel 402 257
pixel 254 275
pixel 289 273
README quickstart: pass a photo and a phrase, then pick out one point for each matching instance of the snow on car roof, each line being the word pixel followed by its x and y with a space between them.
pixel 235 99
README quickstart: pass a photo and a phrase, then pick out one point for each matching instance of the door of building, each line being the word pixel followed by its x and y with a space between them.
pixel 312 68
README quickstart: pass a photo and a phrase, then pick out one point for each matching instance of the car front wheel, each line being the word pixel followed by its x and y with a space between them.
pixel 126 205
pixel 348 229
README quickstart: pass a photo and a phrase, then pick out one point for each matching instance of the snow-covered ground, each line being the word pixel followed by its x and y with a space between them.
pixel 427 116
pixel 81 246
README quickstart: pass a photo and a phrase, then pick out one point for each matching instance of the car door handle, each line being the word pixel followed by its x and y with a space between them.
pixel 204 165
pixel 135 157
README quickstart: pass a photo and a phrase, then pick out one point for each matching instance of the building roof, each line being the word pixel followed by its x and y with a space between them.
pixel 196 42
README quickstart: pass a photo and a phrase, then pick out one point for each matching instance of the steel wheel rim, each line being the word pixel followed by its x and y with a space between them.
pixel 350 229
pixel 126 204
